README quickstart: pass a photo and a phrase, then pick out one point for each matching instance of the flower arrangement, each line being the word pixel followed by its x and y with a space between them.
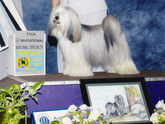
pixel 158 117
pixel 82 115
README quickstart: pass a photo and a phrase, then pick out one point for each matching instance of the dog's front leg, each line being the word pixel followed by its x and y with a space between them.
pixel 75 63
pixel 81 68
pixel 67 68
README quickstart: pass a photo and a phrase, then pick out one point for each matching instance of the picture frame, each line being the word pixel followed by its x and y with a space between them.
pixel 122 100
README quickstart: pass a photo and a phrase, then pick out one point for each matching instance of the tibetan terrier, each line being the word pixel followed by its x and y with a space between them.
pixel 84 47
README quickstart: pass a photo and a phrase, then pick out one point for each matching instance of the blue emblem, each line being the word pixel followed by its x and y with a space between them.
pixel 44 120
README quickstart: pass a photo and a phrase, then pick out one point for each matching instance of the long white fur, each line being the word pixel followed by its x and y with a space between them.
pixel 85 46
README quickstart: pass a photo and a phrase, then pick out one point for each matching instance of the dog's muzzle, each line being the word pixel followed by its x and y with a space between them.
pixel 56 20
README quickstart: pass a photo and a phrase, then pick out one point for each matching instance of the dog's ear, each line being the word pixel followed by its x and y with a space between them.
pixel 74 32
pixel 74 29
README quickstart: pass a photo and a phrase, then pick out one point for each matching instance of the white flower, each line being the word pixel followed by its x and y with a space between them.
pixel 66 120
pixel 83 107
pixel 94 115
pixel 72 108
pixel 154 118
pixel 76 118
pixel 85 120
pixel 91 107
pixel 160 104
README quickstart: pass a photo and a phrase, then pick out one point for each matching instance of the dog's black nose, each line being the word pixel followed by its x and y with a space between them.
pixel 57 17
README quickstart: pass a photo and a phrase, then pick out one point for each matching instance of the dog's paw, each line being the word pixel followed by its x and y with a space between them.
pixel 80 74
pixel 127 68
pixel 128 71
pixel 66 71
pixel 110 69
pixel 81 70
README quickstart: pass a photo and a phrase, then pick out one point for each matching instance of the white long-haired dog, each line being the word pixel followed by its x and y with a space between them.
pixel 85 46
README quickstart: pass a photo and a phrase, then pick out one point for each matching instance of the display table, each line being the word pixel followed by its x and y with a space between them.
pixel 149 76
pixel 60 91
pixel 58 77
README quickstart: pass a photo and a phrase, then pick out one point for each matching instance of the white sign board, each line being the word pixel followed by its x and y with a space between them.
pixel 46 117
pixel 27 53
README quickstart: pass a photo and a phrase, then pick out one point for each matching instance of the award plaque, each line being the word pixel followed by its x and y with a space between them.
pixel 27 53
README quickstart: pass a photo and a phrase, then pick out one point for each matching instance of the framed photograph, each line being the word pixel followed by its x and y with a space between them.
pixel 122 100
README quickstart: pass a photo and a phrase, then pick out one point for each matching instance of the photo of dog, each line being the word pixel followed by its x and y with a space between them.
pixel 84 47
pixel 117 108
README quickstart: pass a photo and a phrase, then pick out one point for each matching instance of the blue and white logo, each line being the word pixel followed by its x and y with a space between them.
pixel 44 120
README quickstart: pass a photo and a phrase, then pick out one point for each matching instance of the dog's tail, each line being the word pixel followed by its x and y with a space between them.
pixel 112 30
pixel 117 46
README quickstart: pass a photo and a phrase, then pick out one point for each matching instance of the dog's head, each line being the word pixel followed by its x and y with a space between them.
pixel 119 99
pixel 64 22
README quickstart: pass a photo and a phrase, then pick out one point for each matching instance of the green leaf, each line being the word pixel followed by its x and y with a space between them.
pixel 35 98
pixel 4 122
pixel 16 86
pixel 38 85
pixel 19 104
pixel 3 93
pixel 17 95
pixel 55 122
pixel 25 98
pixel 8 98
pixel 3 89
pixel 27 88
pixel 30 90
pixel 2 110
